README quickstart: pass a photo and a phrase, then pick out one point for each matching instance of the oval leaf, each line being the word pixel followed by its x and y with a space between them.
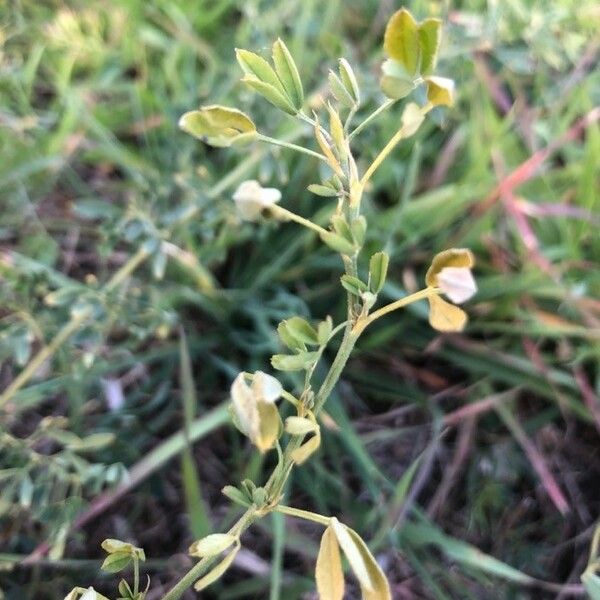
pixel 271 93
pixel 293 362
pixel 288 73
pixel 301 330
pixel 430 31
pixel 401 41
pixel 256 66
pixel 378 266
pixel 349 80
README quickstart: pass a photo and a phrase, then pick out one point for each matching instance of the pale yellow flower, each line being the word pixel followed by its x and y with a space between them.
pixel 251 199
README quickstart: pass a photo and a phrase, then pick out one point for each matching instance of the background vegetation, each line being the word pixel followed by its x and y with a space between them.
pixel 439 444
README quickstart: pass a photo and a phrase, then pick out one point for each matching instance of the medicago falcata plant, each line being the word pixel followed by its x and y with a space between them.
pixel 411 48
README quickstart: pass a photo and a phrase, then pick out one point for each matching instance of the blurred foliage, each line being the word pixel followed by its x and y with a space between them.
pixel 94 169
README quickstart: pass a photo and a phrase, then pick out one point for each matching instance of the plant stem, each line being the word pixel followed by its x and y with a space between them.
pixel 372 116
pixel 420 295
pixel 395 139
pixel 302 514
pixel 136 575
pixel 288 215
pixel 290 146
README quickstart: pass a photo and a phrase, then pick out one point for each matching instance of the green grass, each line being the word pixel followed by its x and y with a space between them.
pixel 95 170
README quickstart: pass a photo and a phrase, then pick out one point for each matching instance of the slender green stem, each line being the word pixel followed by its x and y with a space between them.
pixel 136 575
pixel 290 146
pixel 387 104
pixel 394 140
pixel 420 295
pixel 304 117
pixel 302 514
pixel 288 215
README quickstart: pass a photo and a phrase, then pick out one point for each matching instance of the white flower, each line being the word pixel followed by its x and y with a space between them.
pixel 90 594
pixel 251 199
pixel 266 388
pixel 254 408
pixel 457 283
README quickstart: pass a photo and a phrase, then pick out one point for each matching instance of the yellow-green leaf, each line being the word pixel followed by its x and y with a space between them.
pixel 271 93
pixel 349 79
pixel 218 125
pixel 288 73
pixel 339 91
pixel 401 41
pixel 429 37
pixel 116 562
pixel 378 266
pixel 256 66
pixel 454 257
pixel 338 243
pixel 381 588
pixel 293 362
pixel 218 571
pixel 212 544
pixel 328 573
pixel 444 316
pixel 332 161
pixel 396 83
pixel 301 330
